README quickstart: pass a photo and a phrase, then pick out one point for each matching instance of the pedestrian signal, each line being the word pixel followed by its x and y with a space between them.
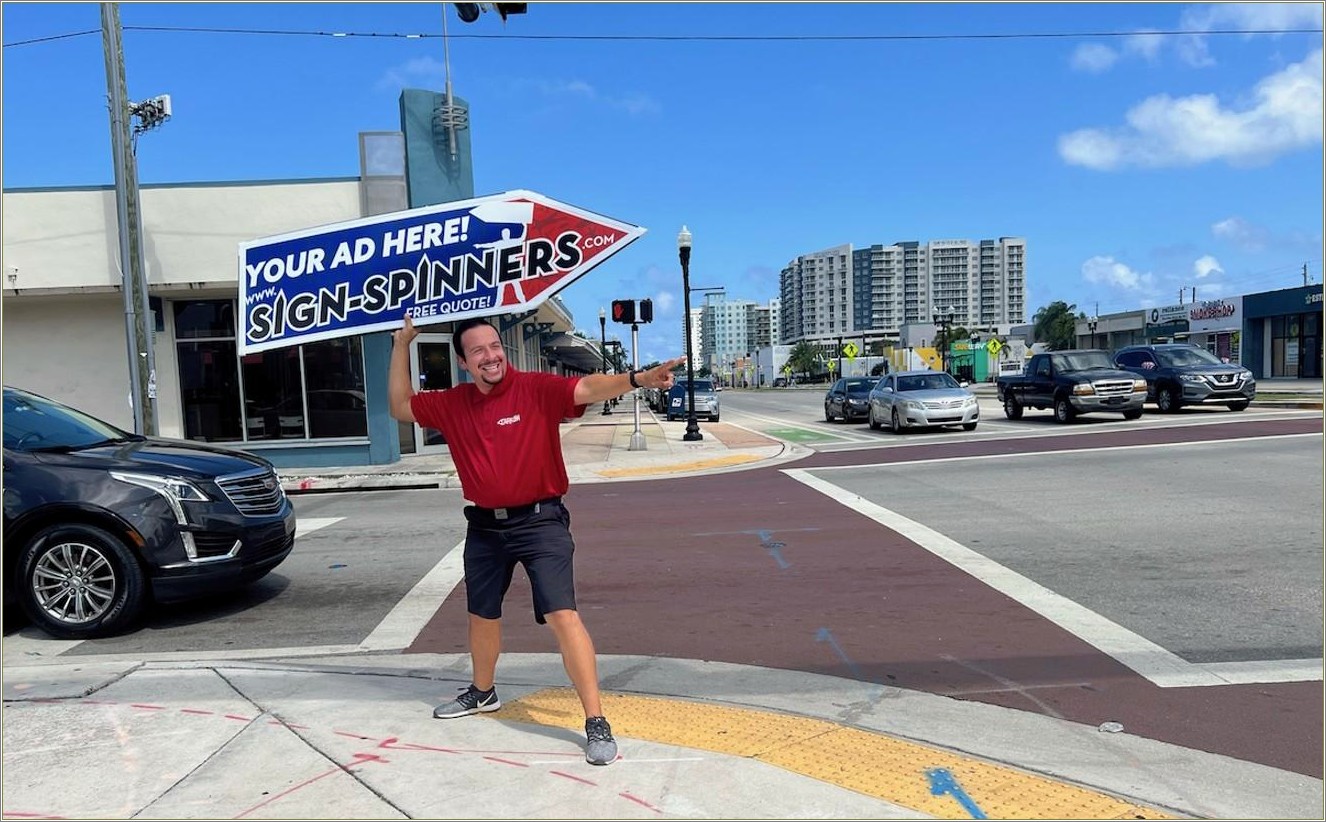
pixel 623 311
pixel 646 311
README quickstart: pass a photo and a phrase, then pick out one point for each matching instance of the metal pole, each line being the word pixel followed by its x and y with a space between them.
pixel 637 438
pixel 684 253
pixel 603 351
pixel 142 357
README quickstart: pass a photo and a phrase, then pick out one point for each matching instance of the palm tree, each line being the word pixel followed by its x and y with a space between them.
pixel 1056 325
pixel 803 358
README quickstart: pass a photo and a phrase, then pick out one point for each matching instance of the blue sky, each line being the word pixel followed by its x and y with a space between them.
pixel 1134 164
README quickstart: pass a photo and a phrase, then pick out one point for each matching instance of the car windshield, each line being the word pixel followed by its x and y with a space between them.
pixel 34 423
pixel 701 386
pixel 1081 361
pixel 1180 357
pixel 927 382
pixel 859 388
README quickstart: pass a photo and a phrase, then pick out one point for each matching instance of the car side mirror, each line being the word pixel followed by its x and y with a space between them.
pixel 964 384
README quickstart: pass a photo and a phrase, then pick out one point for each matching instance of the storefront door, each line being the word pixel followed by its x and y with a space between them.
pixel 431 367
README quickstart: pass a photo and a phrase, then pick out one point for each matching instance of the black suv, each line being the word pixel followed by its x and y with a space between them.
pixel 1179 374
pixel 100 522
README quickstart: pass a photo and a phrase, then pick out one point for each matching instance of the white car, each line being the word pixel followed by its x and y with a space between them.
pixel 921 399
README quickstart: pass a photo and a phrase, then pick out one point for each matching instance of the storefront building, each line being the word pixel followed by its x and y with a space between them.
pixel 310 405
pixel 1217 326
pixel 1282 333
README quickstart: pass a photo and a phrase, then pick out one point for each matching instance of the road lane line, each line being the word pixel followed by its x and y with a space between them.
pixel 1159 665
pixel 407 618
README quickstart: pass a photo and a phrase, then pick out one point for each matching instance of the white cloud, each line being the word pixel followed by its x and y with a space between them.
pixel 1093 58
pixel 633 103
pixel 663 302
pixel 1242 233
pixel 421 72
pixel 1206 266
pixel 1144 44
pixel 1109 271
pixel 1259 17
pixel 1163 131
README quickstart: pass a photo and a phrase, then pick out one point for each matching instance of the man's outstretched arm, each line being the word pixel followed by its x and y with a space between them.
pixel 399 389
pixel 599 387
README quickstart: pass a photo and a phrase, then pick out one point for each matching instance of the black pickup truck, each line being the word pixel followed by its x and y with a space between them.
pixel 1072 383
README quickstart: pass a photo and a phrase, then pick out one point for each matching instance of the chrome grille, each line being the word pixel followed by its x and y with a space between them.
pixel 1113 388
pixel 255 494
pixel 941 405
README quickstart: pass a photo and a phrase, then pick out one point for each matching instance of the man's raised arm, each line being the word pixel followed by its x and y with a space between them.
pixel 399 389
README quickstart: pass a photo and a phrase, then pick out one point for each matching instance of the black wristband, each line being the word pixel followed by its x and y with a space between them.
pixel 632 374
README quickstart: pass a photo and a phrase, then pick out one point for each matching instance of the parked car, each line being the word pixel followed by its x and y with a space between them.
pixel 100 523
pixel 846 398
pixel 921 399
pixel 1179 374
pixel 706 400
pixel 1071 383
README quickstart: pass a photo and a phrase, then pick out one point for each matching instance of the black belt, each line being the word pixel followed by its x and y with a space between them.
pixel 515 511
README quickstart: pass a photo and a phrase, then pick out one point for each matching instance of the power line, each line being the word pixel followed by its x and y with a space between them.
pixel 673 38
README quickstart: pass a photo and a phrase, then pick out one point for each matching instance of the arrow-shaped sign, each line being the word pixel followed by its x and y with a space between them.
pixel 942 782
pixel 494 255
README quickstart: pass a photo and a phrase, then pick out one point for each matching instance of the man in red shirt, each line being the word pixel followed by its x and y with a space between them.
pixel 504 435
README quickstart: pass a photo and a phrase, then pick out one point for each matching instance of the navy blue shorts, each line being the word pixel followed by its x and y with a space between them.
pixel 540 540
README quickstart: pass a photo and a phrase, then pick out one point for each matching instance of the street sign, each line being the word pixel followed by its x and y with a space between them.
pixel 850 351
pixel 994 346
pixel 833 365
pixel 502 254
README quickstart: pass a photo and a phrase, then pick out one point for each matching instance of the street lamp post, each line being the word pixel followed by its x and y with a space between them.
pixel 684 253
pixel 603 348
pixel 944 318
pixel 1091 327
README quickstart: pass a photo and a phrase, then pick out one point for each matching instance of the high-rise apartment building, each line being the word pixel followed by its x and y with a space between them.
pixel 732 330
pixel 874 291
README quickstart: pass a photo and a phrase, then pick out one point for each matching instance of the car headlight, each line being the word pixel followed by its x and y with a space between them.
pixel 176 491
pixel 1139 385
pixel 913 405
pixel 1192 378
pixel 1084 388
pixel 970 400
pixel 1245 376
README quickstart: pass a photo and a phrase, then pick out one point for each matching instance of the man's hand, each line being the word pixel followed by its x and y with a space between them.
pixel 660 376
pixel 406 334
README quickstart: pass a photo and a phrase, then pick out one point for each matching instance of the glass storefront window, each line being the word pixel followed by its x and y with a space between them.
pixel 309 391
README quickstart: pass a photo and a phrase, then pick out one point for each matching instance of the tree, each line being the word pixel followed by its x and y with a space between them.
pixel 803 358
pixel 1056 325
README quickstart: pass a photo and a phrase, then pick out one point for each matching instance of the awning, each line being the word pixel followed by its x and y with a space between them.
pixel 573 352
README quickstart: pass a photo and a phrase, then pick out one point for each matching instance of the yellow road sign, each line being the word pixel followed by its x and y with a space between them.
pixel 850 351
pixel 994 346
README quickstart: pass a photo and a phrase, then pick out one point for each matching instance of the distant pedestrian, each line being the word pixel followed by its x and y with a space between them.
pixel 503 431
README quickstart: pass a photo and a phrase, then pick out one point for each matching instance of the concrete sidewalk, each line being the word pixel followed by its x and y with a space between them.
pixel 597 448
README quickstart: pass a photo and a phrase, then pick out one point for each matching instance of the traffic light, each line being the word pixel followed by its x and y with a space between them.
pixel 646 311
pixel 623 311
pixel 469 12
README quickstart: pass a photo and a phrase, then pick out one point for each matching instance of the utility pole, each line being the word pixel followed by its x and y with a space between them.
pixel 1305 273
pixel 142 358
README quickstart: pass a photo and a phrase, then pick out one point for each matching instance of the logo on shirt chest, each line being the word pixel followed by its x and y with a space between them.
pixel 511 420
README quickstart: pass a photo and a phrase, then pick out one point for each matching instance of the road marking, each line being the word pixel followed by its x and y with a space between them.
pixel 868 762
pixel 1150 660
pixel 407 618
pixel 307 525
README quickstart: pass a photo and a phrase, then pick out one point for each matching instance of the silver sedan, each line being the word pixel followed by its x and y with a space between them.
pixel 921 399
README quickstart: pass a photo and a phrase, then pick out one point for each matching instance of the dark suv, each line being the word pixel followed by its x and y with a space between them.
pixel 1179 374
pixel 99 522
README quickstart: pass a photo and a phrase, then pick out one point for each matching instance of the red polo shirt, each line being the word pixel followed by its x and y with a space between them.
pixel 506 444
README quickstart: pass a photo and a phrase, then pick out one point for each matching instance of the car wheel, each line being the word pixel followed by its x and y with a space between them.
pixel 1165 399
pixel 714 418
pixel 1063 410
pixel 969 426
pixel 79 581
pixel 895 424
pixel 827 416
pixel 1012 408
pixel 1132 414
pixel 871 421
pixel 1238 406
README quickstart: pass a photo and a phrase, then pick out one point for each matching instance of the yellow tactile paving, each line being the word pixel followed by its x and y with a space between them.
pixel 873 764
pixel 719 462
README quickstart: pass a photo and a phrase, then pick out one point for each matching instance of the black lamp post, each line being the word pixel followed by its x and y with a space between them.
pixel 603 349
pixel 684 253
pixel 944 318
pixel 1091 327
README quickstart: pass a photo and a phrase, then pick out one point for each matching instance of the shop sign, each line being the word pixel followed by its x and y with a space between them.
pixel 1216 315
pixel 502 254
pixel 1167 314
